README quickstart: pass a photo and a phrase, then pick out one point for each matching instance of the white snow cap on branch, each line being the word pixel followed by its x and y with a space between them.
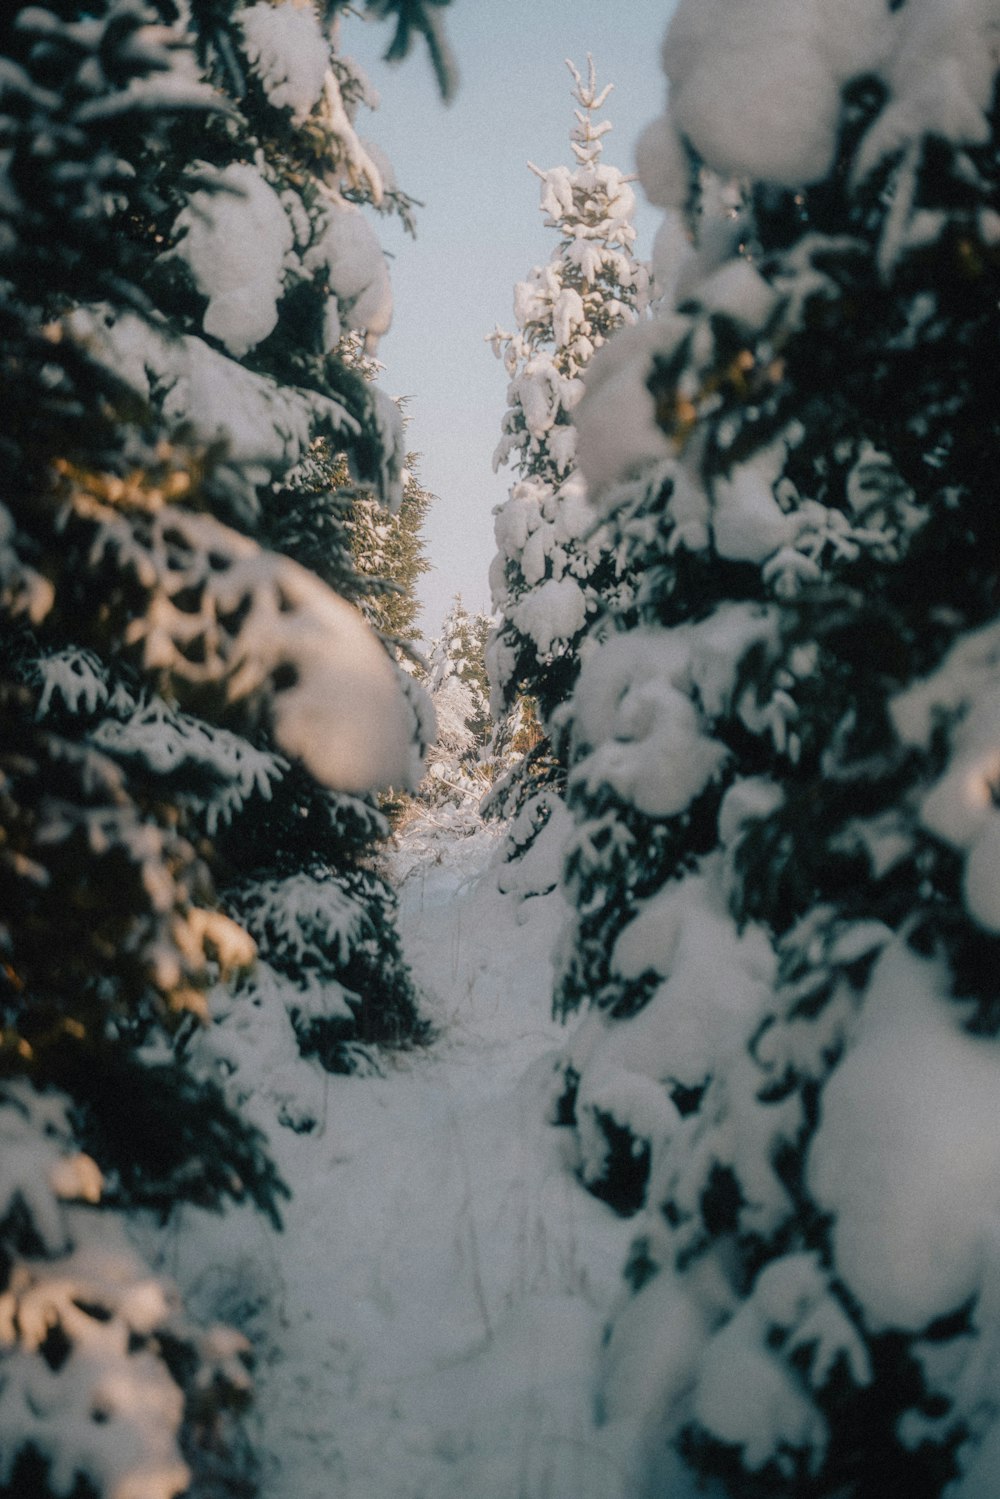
pixel 756 88
pixel 618 433
pixel 903 1160
pixel 960 807
pixel 259 626
pixel 637 729
pixel 236 240
pixel 347 249
pixel 286 46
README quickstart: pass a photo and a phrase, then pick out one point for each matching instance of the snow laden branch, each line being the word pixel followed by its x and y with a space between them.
pixel 461 762
pixel 84 1326
pixel 213 618
pixel 72 840
pixel 587 94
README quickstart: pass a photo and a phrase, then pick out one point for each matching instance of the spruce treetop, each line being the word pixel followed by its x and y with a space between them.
pixel 568 307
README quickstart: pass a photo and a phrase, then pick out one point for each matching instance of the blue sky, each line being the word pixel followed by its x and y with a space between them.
pixel 481 229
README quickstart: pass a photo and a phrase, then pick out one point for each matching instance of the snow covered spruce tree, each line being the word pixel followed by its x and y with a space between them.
pixel 555 564
pixel 786 864
pixel 268 267
pixel 156 665
pixel 459 690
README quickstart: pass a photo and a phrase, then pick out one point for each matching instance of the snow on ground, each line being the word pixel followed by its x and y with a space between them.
pixel 429 1321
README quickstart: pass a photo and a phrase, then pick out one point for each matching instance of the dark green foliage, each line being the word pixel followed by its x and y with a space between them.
pixel 622 1184
pixel 163 1136
pixel 623 858
pixel 388 551
pixel 29 1479
pixel 420 16
pixel 83 848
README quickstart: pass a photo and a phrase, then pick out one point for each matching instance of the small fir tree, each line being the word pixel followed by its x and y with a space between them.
pixel 785 866
pixel 388 551
pixel 337 524
pixel 459 688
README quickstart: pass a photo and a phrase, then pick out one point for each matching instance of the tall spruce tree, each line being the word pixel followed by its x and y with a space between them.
pixel 787 857
pixel 274 277
pixel 556 564
pixel 161 671
pixel 304 313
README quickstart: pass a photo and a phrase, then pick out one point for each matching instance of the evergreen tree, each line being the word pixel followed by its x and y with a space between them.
pixel 555 563
pixel 285 333
pixel 459 653
pixel 785 867
pixel 341 522
pixel 459 690
pixel 161 672
pixel 389 554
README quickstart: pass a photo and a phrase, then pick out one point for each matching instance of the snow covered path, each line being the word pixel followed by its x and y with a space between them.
pixel 435 1305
